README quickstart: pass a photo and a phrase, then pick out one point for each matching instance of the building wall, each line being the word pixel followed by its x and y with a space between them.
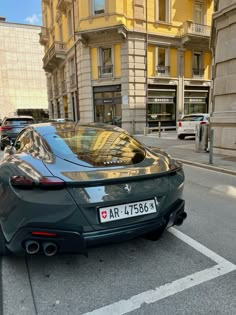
pixel 123 27
pixel 223 119
pixel 22 79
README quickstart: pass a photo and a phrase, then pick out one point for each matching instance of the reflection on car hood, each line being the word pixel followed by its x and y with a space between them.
pixel 153 165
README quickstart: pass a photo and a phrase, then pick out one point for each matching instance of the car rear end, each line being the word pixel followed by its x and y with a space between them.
pixel 87 196
pixel 187 125
pixel 12 126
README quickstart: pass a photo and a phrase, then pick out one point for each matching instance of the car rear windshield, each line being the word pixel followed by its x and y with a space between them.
pixel 193 118
pixel 19 121
pixel 96 146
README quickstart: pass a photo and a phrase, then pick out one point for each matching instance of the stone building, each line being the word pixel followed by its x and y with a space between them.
pixel 131 63
pixel 223 45
pixel 23 86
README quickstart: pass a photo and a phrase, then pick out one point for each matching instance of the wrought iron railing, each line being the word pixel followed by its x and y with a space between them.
pixel 198 72
pixel 105 71
pixel 163 71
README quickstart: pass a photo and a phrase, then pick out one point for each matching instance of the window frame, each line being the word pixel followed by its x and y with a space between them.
pixel 200 67
pixel 92 8
pixel 168 18
pixel 100 61
pixel 167 60
pixel 69 23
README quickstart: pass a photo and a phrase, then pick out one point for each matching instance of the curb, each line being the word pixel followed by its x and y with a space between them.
pixel 207 166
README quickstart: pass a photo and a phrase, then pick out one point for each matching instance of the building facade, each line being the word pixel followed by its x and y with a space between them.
pixel 23 88
pixel 129 63
pixel 223 44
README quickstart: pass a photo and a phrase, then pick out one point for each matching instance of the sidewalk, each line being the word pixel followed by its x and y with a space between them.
pixel 185 151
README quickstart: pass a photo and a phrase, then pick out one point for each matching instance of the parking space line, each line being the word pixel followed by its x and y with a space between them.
pixel 197 246
pixel 151 296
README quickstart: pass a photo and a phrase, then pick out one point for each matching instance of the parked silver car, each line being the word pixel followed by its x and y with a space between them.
pixel 11 126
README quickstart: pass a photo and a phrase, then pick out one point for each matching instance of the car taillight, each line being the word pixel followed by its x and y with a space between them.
pixel 40 233
pixel 203 123
pixel 50 183
pixel 5 128
pixel 22 182
pixel 180 124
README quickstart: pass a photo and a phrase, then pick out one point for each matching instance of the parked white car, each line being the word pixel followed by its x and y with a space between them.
pixel 187 125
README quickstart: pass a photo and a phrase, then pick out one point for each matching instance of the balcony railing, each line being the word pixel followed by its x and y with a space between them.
pixel 163 71
pixel 191 28
pixel 63 4
pixel 72 81
pixel 46 1
pixel 55 54
pixel 198 72
pixel 105 71
pixel 44 36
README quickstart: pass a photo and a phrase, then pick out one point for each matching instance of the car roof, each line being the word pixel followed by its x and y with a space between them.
pixel 16 117
pixel 197 114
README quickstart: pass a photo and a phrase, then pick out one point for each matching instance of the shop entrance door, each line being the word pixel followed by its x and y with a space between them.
pixel 108 113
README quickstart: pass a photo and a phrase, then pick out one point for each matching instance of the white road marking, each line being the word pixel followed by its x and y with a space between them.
pixel 196 245
pixel 151 296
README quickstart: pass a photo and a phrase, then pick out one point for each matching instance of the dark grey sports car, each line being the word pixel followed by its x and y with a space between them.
pixel 67 186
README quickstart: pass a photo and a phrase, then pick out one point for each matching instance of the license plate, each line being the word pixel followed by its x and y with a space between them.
pixel 17 130
pixel 127 210
pixel 189 130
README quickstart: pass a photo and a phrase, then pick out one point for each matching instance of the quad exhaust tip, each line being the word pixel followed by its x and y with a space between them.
pixel 180 219
pixel 32 247
pixel 49 248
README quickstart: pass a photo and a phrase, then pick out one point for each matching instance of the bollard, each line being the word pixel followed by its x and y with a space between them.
pixel 159 129
pixel 211 146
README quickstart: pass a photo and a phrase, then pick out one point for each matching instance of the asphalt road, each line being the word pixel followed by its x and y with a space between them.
pixel 176 275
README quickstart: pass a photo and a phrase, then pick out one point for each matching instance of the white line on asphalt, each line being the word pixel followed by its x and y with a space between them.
pixel 196 245
pixel 151 296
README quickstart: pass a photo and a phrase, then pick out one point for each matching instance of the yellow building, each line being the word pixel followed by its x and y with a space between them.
pixel 130 63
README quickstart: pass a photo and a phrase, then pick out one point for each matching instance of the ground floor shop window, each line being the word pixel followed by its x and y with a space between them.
pixel 108 105
pixel 161 106
pixel 190 108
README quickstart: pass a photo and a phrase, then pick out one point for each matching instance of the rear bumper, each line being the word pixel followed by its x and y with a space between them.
pixel 75 242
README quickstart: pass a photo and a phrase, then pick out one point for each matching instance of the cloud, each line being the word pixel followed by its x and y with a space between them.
pixel 34 19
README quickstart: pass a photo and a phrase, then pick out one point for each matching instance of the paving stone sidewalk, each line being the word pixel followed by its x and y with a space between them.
pixel 185 150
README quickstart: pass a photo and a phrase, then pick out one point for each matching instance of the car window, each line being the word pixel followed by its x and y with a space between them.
pixel 19 121
pixel 24 142
pixel 97 146
pixel 193 118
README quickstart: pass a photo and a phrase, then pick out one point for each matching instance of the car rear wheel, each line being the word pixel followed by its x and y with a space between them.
pixel 155 235
pixel 3 250
pixel 181 137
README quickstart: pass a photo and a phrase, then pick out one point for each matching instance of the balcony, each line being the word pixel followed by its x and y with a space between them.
pixel 55 55
pixel 44 36
pixel 198 72
pixel 195 34
pixel 63 4
pixel 163 71
pixel 105 71
pixel 46 2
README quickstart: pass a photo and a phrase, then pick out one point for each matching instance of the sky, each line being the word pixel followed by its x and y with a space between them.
pixel 21 11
